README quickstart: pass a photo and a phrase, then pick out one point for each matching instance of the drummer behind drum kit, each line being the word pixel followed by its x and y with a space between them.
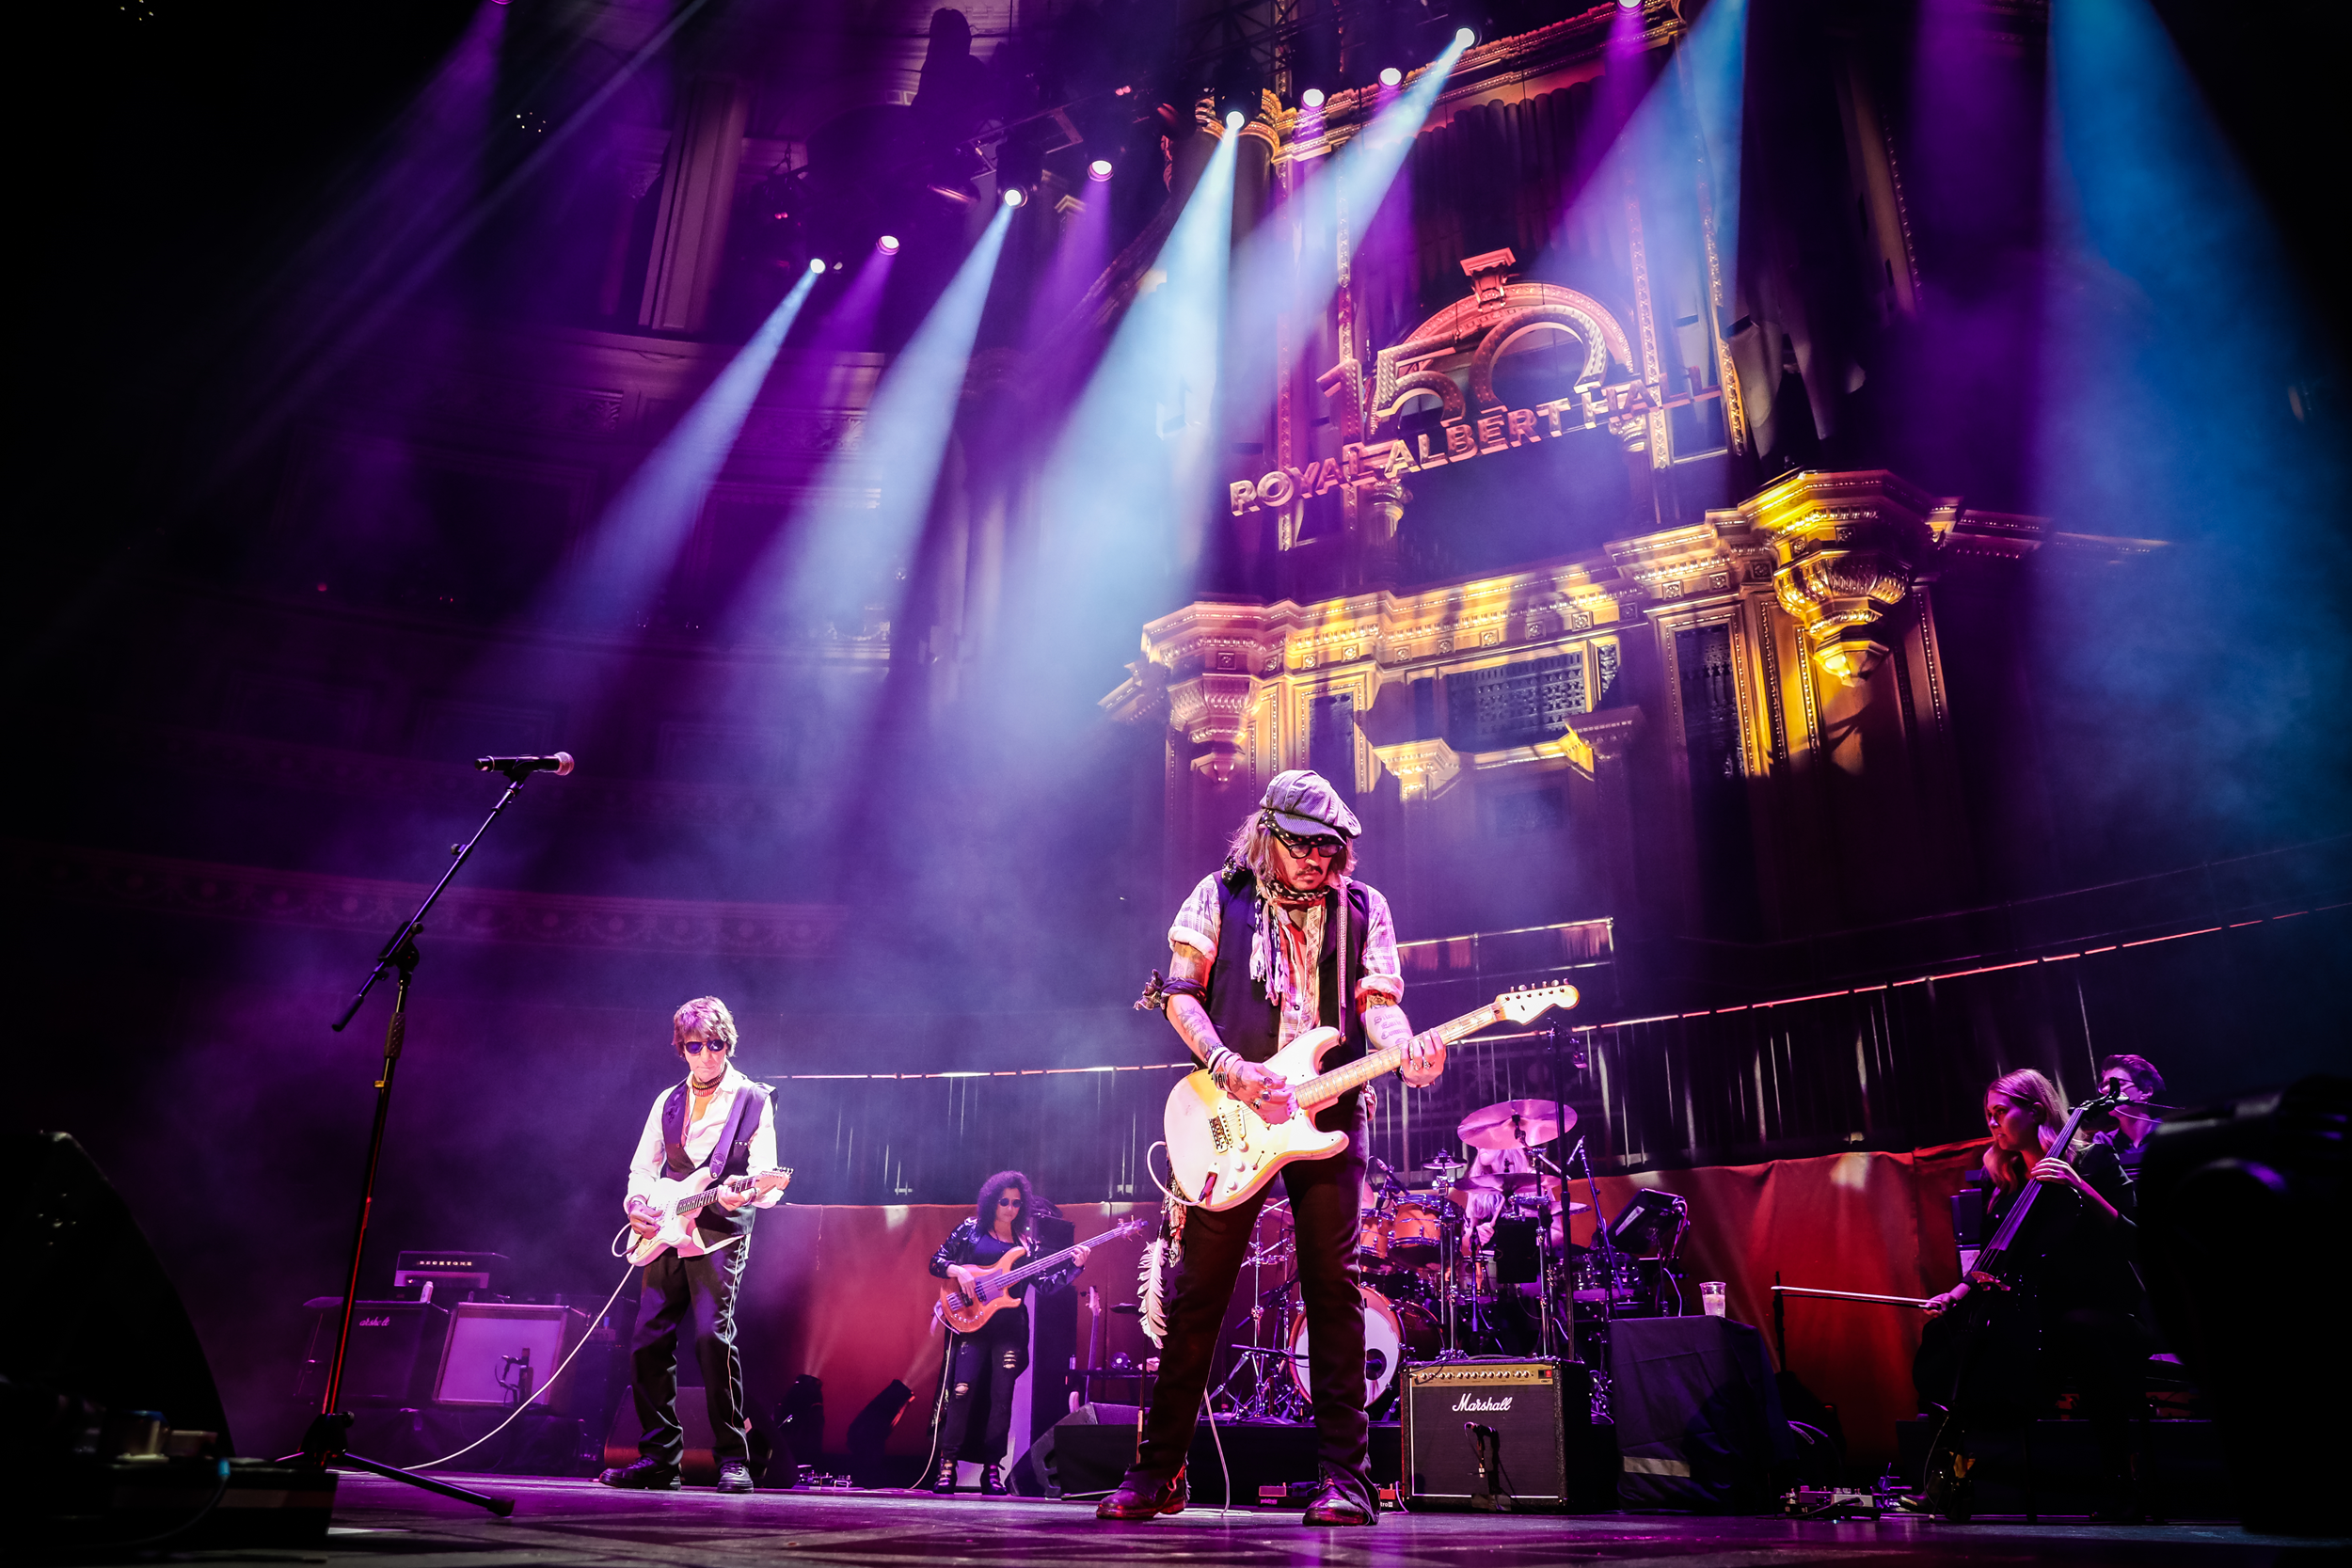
pixel 1459 1260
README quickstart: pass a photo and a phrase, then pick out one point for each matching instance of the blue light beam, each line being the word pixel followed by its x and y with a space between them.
pixel 872 500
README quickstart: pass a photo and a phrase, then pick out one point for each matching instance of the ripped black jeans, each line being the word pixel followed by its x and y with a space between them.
pixel 981 1369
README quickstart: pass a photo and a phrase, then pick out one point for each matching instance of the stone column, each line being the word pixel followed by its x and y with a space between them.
pixel 697 197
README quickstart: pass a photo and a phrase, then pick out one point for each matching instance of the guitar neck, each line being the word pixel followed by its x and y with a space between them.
pixel 2014 1221
pixel 708 1196
pixel 1332 1085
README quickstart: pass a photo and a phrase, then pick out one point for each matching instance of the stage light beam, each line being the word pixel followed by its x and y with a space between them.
pixel 1100 169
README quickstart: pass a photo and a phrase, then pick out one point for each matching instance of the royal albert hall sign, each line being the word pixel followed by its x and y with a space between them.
pixel 1475 424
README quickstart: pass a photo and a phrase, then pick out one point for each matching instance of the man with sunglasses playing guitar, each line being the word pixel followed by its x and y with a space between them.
pixel 1278 941
pixel 718 1119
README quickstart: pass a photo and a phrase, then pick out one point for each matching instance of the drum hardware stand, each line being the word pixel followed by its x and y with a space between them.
pixel 1609 1276
pixel 323 1445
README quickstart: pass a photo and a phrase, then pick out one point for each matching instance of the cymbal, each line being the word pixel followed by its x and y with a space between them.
pixel 1517 1123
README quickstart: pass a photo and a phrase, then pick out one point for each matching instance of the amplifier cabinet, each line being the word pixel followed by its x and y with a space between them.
pixel 1496 1432
pixel 491 1342
pixel 395 1347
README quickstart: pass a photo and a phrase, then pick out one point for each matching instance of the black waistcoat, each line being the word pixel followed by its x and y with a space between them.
pixel 733 1157
pixel 1249 1022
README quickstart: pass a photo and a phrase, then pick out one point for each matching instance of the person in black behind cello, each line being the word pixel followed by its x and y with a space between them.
pixel 2064 1306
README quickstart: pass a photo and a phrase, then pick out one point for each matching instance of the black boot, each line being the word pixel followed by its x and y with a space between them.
pixel 992 1481
pixel 944 1483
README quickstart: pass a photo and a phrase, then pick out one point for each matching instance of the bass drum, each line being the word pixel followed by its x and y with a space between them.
pixel 1393 1332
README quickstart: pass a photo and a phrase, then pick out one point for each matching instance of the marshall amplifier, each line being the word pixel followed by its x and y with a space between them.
pixel 1501 1434
pixel 395 1347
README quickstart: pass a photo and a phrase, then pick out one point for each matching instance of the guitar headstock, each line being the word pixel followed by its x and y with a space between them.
pixel 1526 1004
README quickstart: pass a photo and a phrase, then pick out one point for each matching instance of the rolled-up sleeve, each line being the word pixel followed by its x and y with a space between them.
pixel 1196 923
pixel 1384 972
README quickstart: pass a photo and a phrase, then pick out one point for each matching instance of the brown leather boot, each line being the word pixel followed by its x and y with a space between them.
pixel 1144 1498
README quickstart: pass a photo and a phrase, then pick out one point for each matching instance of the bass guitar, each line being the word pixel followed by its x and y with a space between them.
pixel 678 1201
pixel 1220 1151
pixel 996 1286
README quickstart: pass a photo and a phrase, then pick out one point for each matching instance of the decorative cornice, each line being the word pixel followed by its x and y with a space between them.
pixel 156 884
pixel 370 776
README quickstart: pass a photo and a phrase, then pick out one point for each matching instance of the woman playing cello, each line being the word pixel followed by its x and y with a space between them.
pixel 2061 1306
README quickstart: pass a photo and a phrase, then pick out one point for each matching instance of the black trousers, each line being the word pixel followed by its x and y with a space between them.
pixel 982 1369
pixel 676 1290
pixel 1324 1195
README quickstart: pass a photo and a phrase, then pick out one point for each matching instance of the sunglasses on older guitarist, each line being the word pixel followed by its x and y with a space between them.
pixel 695 1048
pixel 1324 844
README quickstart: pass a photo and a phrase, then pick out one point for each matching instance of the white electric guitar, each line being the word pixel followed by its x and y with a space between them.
pixel 1220 1150
pixel 677 1202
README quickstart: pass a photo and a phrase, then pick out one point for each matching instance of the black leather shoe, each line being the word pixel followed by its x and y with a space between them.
pixel 734 1476
pixel 1144 1498
pixel 944 1483
pixel 991 1481
pixel 1337 1506
pixel 646 1475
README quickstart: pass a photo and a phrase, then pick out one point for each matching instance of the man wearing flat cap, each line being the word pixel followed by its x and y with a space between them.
pixel 1278 941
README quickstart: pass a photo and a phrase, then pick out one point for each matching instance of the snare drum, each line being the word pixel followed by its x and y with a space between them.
pixel 1393 1332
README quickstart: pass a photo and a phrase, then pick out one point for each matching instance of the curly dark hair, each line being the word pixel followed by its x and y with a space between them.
pixel 984 1210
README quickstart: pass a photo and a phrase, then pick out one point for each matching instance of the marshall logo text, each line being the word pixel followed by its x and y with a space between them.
pixel 1472 1402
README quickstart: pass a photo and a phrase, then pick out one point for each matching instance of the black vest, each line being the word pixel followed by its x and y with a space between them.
pixel 732 1156
pixel 1249 1022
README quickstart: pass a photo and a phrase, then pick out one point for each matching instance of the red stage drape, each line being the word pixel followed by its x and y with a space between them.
pixel 844 1293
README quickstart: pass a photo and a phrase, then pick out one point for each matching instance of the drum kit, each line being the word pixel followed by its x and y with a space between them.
pixel 1464 1257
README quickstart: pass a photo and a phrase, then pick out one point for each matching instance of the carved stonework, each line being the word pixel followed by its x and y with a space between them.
pixel 1424 770
pixel 158 884
pixel 1846 546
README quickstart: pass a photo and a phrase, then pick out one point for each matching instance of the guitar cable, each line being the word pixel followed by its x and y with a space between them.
pixel 561 1368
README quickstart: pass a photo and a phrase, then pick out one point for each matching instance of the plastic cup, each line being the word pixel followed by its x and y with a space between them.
pixel 1711 1296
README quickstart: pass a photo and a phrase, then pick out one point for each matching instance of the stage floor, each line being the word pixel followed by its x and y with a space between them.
pixel 580 1523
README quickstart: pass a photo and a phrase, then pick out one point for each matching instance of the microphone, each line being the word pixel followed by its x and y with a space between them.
pixel 558 764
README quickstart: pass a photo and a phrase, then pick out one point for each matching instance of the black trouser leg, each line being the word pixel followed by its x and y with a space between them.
pixel 711 1281
pixel 1324 1197
pixel 653 1359
pixel 965 1357
pixel 1213 1246
pixel 1008 1357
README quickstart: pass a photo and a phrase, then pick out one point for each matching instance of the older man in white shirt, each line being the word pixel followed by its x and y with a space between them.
pixel 719 1119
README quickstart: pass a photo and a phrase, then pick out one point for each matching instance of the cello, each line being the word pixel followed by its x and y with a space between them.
pixel 1984 1351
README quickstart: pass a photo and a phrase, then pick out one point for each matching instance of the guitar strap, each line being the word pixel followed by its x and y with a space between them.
pixel 742 1124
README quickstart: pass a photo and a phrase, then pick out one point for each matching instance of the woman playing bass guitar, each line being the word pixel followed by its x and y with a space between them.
pixel 2052 1301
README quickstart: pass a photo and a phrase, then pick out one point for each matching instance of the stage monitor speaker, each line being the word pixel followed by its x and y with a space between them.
pixel 1698 1418
pixel 89 1311
pixel 395 1347
pixel 1502 1433
pixel 492 1345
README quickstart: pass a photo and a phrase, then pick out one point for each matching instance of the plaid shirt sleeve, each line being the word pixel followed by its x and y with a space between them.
pixel 1197 921
pixel 1384 973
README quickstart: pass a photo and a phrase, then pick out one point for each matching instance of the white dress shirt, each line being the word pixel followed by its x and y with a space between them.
pixel 702 1136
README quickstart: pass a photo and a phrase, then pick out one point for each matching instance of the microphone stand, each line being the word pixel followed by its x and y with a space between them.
pixel 324 1443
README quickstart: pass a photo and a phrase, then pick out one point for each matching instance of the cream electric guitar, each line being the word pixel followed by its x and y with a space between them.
pixel 677 1202
pixel 996 1286
pixel 1220 1150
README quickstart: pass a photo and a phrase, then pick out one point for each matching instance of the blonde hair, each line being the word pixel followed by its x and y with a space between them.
pixel 2034 1091
pixel 708 1014
pixel 1252 848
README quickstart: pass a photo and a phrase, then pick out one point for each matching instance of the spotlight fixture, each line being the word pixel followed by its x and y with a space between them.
pixel 1312 97
pixel 1233 120
pixel 1015 196
pixel 1628 5
pixel 1465 37
pixel 887 245
pixel 1099 169
pixel 1392 77
pixel 817 263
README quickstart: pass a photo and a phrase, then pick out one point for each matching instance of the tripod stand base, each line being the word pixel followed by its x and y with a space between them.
pixel 323 1446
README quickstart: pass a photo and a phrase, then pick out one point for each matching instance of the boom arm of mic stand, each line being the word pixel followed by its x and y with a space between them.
pixel 402 939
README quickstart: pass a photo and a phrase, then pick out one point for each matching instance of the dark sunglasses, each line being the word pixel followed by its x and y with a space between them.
pixel 695 1048
pixel 1008 1200
pixel 1322 844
